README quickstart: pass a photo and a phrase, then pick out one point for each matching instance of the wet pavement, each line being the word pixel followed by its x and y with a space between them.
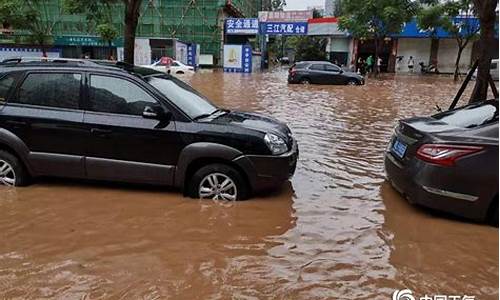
pixel 337 231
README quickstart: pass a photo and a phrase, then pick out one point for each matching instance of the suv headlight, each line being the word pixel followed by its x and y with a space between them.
pixel 276 144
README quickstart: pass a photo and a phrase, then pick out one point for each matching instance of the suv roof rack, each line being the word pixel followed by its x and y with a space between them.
pixel 18 60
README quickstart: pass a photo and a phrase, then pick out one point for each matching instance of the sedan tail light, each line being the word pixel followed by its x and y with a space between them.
pixel 292 71
pixel 445 155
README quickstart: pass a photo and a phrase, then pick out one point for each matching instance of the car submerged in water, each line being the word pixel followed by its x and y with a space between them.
pixel 111 121
pixel 322 72
pixel 449 161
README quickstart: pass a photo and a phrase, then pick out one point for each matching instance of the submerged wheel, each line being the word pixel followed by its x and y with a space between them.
pixel 12 172
pixel 305 81
pixel 352 82
pixel 493 213
pixel 218 182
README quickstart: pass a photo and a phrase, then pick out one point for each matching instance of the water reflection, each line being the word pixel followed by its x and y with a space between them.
pixel 338 231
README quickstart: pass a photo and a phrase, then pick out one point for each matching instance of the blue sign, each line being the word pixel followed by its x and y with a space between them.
pixel 241 64
pixel 284 28
pixel 466 26
pixel 247 59
pixel 191 55
pixel 242 26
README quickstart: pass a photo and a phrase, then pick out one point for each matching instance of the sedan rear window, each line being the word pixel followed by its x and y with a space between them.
pixel 300 66
pixel 471 116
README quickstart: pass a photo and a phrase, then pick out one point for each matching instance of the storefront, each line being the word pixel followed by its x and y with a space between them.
pixel 92 47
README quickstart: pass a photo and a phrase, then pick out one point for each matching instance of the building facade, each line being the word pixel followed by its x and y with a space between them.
pixel 199 22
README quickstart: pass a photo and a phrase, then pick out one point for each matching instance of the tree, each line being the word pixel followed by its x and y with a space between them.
pixel 11 14
pixel 444 15
pixel 317 14
pixel 429 19
pixel 308 47
pixel 375 19
pixel 99 18
pixel 33 17
pixel 93 10
pixel 485 9
pixel 108 33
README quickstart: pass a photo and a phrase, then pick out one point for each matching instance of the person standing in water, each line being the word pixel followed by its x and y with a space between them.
pixel 369 64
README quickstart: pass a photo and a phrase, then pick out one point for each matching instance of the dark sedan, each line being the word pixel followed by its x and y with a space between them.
pixel 449 161
pixel 322 72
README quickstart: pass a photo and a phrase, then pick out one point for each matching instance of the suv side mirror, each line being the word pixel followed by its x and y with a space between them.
pixel 156 113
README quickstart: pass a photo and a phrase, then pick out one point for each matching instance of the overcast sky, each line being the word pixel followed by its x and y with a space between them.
pixel 303 4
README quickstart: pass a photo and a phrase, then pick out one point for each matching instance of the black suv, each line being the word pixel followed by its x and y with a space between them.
pixel 118 122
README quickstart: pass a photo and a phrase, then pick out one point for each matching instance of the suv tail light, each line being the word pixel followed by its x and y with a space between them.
pixel 292 71
pixel 445 155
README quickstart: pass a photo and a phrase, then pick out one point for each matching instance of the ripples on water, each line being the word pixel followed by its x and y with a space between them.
pixel 338 231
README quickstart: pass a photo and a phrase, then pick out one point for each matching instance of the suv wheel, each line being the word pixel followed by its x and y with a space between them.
pixel 12 172
pixel 218 182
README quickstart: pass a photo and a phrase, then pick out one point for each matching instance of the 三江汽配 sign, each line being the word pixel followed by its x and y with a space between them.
pixel 284 28
pixel 242 26
pixel 238 58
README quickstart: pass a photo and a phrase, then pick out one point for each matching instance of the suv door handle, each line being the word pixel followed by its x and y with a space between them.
pixel 100 131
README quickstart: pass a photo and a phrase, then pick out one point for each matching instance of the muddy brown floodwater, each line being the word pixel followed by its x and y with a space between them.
pixel 337 231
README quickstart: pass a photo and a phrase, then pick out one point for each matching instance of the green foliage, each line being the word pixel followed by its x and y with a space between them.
pixel 308 47
pixel 441 14
pixel 278 4
pixel 107 31
pixel 430 19
pixel 317 14
pixel 11 14
pixel 375 18
pixel 99 14
pixel 31 16
pixel 96 11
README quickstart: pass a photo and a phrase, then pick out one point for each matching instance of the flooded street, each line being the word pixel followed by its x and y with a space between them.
pixel 336 231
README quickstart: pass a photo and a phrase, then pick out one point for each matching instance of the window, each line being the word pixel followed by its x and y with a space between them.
pixel 183 96
pixel 493 66
pixel 51 89
pixel 331 68
pixel 6 83
pixel 471 116
pixel 118 96
pixel 175 64
pixel 300 66
pixel 318 67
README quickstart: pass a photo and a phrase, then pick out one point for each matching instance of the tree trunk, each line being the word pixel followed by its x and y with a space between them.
pixel 110 46
pixel 132 8
pixel 457 63
pixel 433 58
pixel 487 19
pixel 375 62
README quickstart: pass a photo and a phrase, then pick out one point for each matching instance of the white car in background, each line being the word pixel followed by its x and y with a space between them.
pixel 170 67
pixel 176 67
pixel 493 70
pixel 160 65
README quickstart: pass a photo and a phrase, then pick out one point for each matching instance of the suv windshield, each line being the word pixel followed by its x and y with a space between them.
pixel 183 96
pixel 472 115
